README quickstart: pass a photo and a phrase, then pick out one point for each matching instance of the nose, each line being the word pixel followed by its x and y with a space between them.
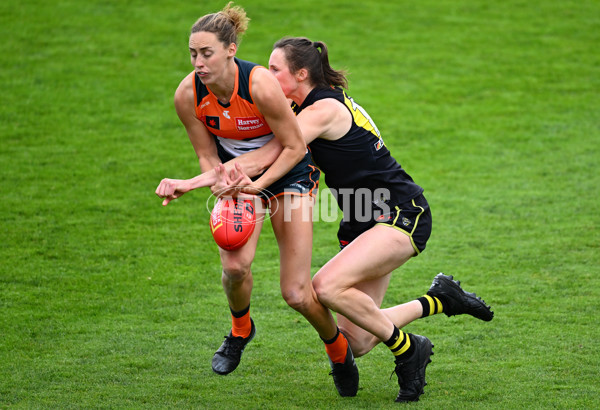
pixel 198 63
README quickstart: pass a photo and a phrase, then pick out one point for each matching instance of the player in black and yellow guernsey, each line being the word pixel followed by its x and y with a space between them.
pixel 386 221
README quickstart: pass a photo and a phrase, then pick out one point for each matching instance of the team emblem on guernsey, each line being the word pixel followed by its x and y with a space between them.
pixel 213 122
pixel 406 221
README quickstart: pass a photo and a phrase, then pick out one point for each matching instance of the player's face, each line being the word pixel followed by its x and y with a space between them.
pixel 209 56
pixel 279 68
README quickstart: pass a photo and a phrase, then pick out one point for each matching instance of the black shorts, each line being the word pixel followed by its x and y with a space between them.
pixel 412 218
pixel 301 180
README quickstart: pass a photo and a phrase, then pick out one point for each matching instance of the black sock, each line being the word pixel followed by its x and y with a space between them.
pixel 333 339
pixel 400 344
pixel 240 313
pixel 431 305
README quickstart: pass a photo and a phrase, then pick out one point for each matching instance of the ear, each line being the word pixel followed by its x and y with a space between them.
pixel 232 50
pixel 301 75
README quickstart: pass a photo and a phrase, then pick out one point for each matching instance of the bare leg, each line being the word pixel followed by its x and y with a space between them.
pixel 237 283
pixel 237 276
pixel 346 282
pixel 362 342
pixel 293 229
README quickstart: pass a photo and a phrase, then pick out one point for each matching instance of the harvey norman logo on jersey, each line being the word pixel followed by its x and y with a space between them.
pixel 248 123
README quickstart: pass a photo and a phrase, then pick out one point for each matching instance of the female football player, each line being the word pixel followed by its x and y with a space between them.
pixel 386 221
pixel 228 107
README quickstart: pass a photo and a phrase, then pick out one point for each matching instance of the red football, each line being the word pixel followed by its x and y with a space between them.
pixel 232 222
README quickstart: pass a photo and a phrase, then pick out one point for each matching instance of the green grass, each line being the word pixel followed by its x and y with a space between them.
pixel 109 300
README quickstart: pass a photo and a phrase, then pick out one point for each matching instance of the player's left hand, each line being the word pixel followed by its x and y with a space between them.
pixel 234 183
pixel 242 181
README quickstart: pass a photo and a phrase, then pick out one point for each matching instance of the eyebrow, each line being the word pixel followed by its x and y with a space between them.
pixel 201 49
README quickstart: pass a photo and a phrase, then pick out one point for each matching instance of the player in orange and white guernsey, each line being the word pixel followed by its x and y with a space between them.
pixel 230 107
pixel 386 221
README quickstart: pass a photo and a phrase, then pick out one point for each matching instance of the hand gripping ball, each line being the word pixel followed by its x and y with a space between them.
pixel 232 222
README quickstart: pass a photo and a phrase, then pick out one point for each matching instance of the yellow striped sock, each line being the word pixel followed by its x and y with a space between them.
pixel 399 343
pixel 431 305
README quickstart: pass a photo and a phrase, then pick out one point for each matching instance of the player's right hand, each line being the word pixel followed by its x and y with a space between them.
pixel 170 189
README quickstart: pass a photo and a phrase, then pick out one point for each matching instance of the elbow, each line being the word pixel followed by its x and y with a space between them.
pixel 299 155
pixel 207 163
pixel 270 156
pixel 299 150
pixel 294 155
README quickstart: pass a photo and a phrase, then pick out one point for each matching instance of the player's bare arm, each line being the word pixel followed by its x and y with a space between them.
pixel 327 119
pixel 202 142
pixel 251 164
pixel 201 139
pixel 272 103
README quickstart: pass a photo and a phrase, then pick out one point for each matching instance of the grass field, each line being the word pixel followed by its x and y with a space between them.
pixel 109 300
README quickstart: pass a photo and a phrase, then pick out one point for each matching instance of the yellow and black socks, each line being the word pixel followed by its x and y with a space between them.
pixel 337 347
pixel 431 305
pixel 241 326
pixel 400 344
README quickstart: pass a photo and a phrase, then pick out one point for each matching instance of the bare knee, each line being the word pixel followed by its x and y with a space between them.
pixel 297 298
pixel 234 271
pixel 325 291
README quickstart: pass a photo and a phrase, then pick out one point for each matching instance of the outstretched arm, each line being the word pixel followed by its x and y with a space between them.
pixel 252 163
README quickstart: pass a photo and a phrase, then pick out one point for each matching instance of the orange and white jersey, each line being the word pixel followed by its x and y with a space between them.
pixel 238 125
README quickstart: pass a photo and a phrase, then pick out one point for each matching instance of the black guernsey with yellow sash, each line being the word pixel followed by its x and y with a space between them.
pixel 359 169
